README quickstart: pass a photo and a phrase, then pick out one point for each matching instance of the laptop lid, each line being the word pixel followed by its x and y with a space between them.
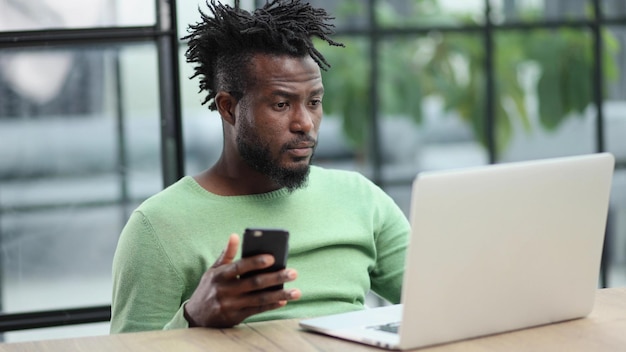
pixel 493 249
pixel 504 247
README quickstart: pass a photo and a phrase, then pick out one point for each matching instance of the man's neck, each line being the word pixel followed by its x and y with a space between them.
pixel 227 180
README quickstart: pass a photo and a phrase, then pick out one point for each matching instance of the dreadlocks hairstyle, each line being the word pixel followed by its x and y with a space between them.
pixel 222 44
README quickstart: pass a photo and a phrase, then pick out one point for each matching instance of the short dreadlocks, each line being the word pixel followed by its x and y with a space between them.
pixel 223 44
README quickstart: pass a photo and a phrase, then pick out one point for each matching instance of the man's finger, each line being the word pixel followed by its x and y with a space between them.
pixel 228 254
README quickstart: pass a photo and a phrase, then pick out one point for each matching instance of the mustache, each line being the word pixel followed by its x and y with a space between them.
pixel 298 141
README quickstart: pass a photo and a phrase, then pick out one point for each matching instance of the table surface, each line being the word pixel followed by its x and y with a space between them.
pixel 603 330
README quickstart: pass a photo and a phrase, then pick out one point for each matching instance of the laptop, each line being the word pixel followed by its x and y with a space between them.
pixel 493 249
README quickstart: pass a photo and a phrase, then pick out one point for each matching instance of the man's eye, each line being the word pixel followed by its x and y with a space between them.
pixel 281 105
pixel 316 102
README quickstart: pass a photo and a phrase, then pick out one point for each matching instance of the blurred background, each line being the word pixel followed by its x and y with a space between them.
pixel 97 113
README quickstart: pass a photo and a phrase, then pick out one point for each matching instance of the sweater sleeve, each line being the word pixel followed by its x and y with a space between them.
pixel 391 236
pixel 146 289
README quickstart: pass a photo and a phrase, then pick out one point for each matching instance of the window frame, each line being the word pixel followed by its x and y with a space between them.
pixel 164 35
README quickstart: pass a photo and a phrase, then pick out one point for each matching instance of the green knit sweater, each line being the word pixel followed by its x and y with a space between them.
pixel 346 237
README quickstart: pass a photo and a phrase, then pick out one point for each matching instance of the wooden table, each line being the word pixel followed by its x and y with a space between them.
pixel 603 330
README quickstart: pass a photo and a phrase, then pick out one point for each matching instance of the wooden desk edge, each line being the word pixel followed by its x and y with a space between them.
pixel 606 321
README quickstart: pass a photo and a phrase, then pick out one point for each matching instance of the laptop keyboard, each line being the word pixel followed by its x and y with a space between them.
pixel 389 327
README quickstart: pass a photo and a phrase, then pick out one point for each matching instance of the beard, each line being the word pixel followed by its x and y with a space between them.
pixel 258 156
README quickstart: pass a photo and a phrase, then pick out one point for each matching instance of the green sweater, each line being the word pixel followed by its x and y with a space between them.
pixel 346 237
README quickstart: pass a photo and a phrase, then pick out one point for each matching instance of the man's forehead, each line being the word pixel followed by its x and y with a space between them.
pixel 278 69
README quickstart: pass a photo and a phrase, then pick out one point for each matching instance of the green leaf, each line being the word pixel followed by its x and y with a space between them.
pixel 550 104
pixel 577 83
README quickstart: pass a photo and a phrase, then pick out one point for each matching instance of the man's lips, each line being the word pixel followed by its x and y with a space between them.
pixel 301 150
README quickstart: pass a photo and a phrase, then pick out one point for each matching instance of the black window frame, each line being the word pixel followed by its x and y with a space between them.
pixel 164 34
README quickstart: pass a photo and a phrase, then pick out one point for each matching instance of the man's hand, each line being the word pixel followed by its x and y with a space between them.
pixel 223 300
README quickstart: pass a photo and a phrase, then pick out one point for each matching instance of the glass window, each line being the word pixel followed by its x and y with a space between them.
pixel 544 94
pixel 58 14
pixel 79 149
pixel 80 126
pixel 350 15
pixel 614 70
pixel 343 132
pixel 506 11
pixel 432 103
pixel 202 128
pixel 429 13
pixel 614 109
pixel 613 8
pixel 187 11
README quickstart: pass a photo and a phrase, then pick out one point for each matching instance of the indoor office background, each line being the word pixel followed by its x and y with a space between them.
pixel 97 113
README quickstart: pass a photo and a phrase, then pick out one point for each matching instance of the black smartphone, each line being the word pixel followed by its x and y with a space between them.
pixel 266 241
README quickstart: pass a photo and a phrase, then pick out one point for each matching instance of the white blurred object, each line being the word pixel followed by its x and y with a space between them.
pixel 39 76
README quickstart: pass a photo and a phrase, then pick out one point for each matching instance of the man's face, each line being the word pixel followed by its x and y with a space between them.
pixel 279 116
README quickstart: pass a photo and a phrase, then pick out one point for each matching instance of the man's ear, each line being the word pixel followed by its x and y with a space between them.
pixel 226 104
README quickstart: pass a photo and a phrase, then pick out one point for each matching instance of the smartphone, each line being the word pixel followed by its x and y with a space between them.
pixel 266 241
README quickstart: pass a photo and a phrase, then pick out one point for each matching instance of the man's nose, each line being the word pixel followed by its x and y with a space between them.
pixel 302 120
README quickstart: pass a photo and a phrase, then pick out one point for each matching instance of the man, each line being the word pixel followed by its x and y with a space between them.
pixel 262 74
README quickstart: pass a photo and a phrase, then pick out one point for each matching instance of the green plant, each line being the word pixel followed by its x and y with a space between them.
pixel 451 66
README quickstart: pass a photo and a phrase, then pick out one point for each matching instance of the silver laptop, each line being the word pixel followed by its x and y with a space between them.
pixel 493 249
